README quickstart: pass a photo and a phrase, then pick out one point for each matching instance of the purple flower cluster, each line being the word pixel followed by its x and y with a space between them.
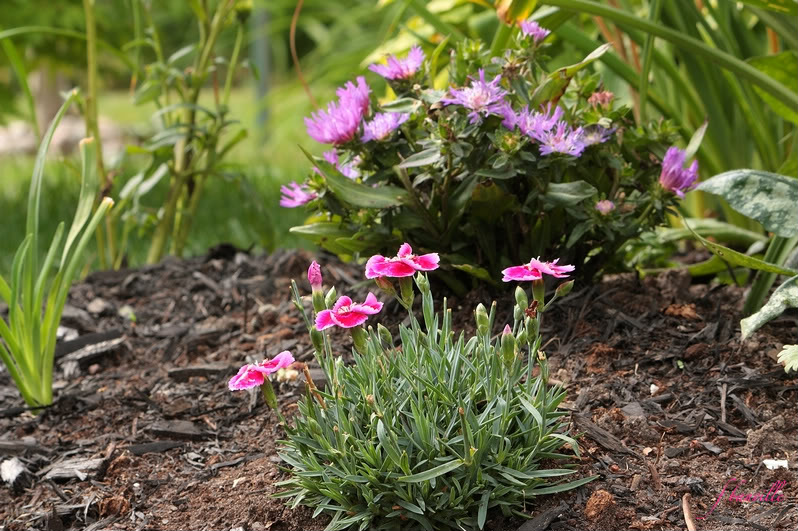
pixel 551 132
pixel 482 98
pixel 596 134
pixel 383 124
pixel 295 195
pixel 400 68
pixel 530 28
pixel 534 123
pixel 339 123
pixel 675 177
pixel 561 139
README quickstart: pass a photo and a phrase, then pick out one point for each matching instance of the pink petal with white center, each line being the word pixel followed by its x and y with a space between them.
pixel 427 262
pixel 521 273
pixel 248 377
pixel 341 302
pixel 372 264
pixel 391 268
pixel 349 319
pixel 324 320
pixel 405 250
pixel 280 361
pixel 370 307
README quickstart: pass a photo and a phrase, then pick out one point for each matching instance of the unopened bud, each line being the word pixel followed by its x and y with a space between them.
pixel 539 290
pixel 522 337
pixel 422 283
pixel 564 288
pixel 314 276
pixel 317 339
pixel 243 9
pixel 521 300
pixel 360 339
pixel 483 321
pixel 385 284
pixel 329 299
pixel 385 335
pixel 406 288
pixel 508 345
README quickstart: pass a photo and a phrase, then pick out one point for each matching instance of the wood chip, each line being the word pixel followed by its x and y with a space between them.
pixel 184 373
pixel 541 522
pixel 153 447
pixel 178 429
pixel 80 468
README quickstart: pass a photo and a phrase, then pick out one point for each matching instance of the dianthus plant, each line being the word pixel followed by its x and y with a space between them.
pixel 435 430
pixel 501 161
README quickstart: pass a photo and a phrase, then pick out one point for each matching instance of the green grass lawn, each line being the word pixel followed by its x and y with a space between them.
pixel 243 210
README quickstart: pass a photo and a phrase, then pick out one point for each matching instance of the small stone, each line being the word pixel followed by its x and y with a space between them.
pixel 599 502
pixel 126 312
pixel 633 409
pixel 98 306
pixel 94 368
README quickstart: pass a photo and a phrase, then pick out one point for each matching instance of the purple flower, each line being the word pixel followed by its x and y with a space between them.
pixel 596 134
pixel 505 110
pixel 561 139
pixel 400 68
pixel 383 124
pixel 339 123
pixel 605 206
pixel 347 170
pixel 481 97
pixel 355 95
pixel 675 177
pixel 533 123
pixel 295 195
pixel 533 29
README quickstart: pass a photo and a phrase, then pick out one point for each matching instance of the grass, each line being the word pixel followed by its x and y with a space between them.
pixel 242 209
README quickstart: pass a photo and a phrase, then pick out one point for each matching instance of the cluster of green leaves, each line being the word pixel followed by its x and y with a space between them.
pixel 484 196
pixel 36 291
pixel 433 433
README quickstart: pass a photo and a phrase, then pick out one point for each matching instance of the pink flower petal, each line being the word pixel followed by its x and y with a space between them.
pixel 427 262
pixel 370 307
pixel 394 269
pixel 405 250
pixel 324 320
pixel 349 319
pixel 372 265
pixel 521 274
pixel 280 361
pixel 246 378
pixel 341 302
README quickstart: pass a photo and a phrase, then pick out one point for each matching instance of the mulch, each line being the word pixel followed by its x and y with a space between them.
pixel 144 434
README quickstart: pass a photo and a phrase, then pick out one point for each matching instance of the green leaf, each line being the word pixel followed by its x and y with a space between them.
pixel 475 271
pixel 89 184
pixel 695 141
pixel 785 296
pixel 483 509
pixel 325 234
pixel 402 105
pixel 789 357
pixel 769 198
pixel 783 68
pixel 422 158
pixel 706 227
pixel 433 473
pixel 789 7
pixel 569 193
pixel 734 258
pixel 353 193
pixel 555 84
pixel 562 486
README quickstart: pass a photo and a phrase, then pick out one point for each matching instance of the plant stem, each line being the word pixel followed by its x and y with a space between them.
pixel 231 67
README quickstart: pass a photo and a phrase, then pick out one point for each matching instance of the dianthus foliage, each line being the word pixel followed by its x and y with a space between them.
pixel 493 161
pixel 433 431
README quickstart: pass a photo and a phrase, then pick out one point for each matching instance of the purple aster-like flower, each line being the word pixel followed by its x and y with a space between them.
pixel 340 122
pixel 530 28
pixel 400 68
pixel 481 97
pixel 505 110
pixel 561 139
pixel 347 170
pixel 675 177
pixel 356 96
pixel 535 123
pixel 295 195
pixel 383 124
pixel 596 134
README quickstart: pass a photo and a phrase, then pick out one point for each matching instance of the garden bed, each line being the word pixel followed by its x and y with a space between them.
pixel 669 399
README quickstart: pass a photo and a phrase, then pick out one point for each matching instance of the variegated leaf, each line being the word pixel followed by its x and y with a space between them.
pixel 785 296
pixel 769 198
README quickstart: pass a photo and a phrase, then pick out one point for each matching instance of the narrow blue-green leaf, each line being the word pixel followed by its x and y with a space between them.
pixel 769 198
pixel 562 487
pixel 401 105
pixel 89 184
pixel 432 472
pixel 422 158
pixel 706 227
pixel 555 84
pixel 788 7
pixel 785 296
pixel 734 258
pixel 569 193
pixel 482 514
pixel 648 55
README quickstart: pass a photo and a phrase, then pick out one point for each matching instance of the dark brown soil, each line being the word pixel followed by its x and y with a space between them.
pixel 670 401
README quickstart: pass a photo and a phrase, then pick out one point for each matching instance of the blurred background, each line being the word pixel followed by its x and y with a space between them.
pixel 138 86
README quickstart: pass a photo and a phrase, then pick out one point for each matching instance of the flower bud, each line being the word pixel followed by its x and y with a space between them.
pixel 406 288
pixel 317 339
pixel 483 321
pixel 243 9
pixel 422 283
pixel 314 276
pixel 532 328
pixel 360 339
pixel 522 337
pixel 508 345
pixel 564 289
pixel 520 298
pixel 329 299
pixel 385 335
pixel 385 284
